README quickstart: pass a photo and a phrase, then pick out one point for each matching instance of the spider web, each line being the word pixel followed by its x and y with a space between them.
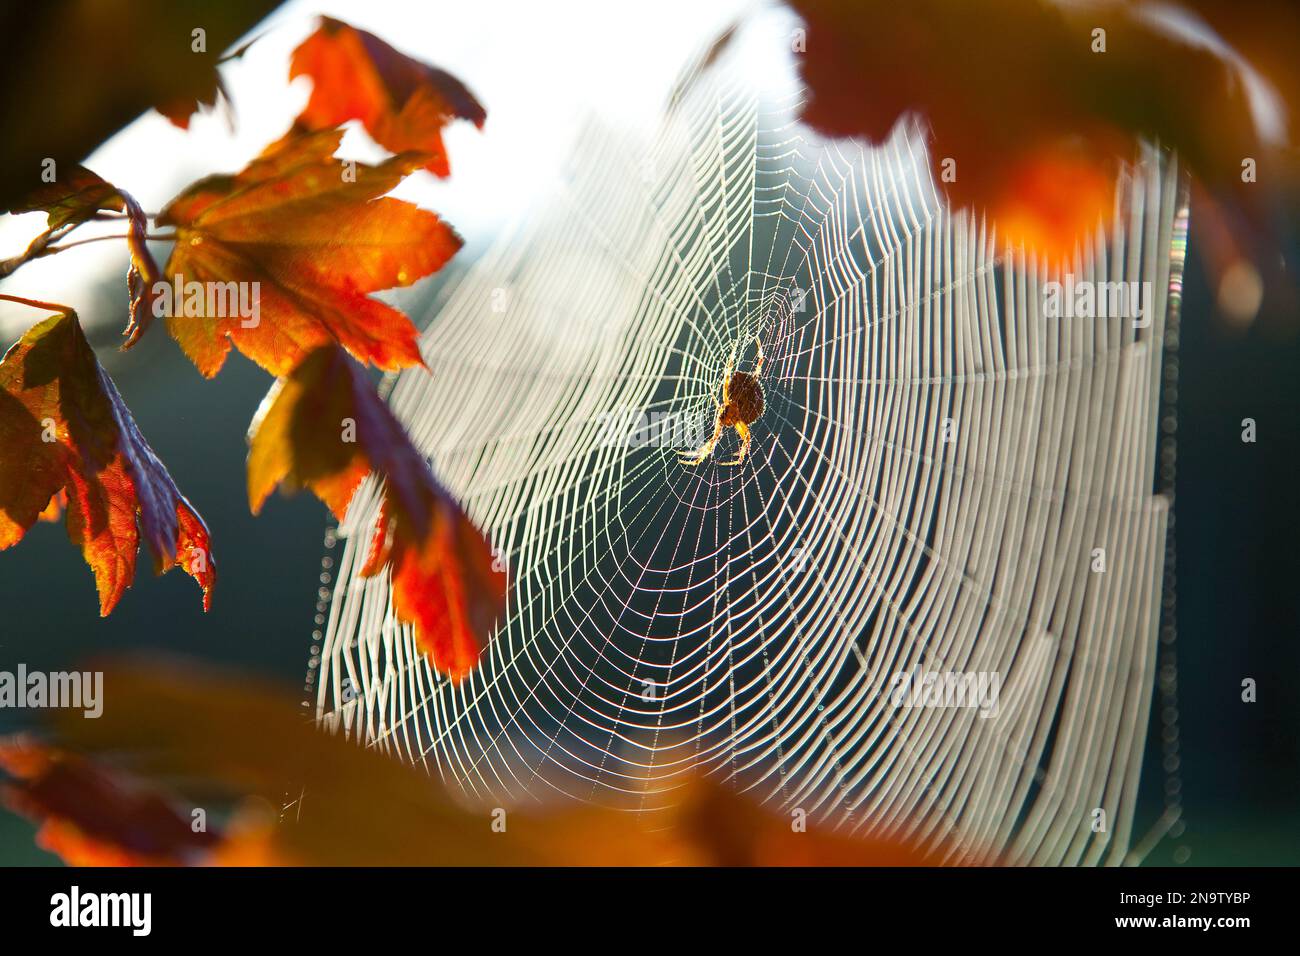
pixel 935 467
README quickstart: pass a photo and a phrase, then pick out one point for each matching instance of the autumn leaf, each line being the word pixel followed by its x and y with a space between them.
pixel 65 429
pixel 309 235
pixel 71 199
pixel 403 103
pixel 443 581
pixel 77 198
pixel 205 88
pixel 1033 104
pixel 198 738
pixel 68 201
pixel 325 428
pixel 91 816
pixel 180 109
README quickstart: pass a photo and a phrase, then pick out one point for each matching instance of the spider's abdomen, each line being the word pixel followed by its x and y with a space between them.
pixel 746 403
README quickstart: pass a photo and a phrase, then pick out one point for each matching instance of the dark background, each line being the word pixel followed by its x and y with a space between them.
pixel 1238 529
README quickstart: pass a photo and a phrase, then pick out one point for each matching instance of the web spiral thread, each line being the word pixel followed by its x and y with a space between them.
pixel 936 466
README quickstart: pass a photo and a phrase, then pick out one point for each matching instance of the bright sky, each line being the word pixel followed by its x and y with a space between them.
pixel 539 69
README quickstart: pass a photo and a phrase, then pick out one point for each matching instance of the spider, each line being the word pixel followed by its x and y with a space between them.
pixel 741 406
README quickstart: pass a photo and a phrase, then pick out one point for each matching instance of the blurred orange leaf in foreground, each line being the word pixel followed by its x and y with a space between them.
pixel 97 786
pixel 1035 103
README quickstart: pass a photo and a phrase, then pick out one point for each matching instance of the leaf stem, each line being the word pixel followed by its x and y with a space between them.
pixel 51 250
pixel 36 303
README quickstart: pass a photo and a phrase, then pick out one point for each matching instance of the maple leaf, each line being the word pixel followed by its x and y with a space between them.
pixel 65 429
pixel 310 236
pixel 444 581
pixel 403 103
pixel 324 427
pixel 72 200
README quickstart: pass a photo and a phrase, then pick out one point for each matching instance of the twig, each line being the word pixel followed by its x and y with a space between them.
pixel 51 250
pixel 36 303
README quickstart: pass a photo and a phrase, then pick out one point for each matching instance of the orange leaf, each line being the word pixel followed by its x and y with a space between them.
pixel 311 239
pixel 324 427
pixel 403 103
pixel 65 430
pixel 1027 110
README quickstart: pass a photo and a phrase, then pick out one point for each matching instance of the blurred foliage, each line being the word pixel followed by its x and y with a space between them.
pixel 1038 115
pixel 115 789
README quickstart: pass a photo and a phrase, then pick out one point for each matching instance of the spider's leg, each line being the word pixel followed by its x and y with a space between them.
pixel 705 450
pixel 726 379
pixel 758 369
pixel 743 431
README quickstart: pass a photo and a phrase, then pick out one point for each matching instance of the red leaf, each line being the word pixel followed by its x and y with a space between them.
pixel 444 580
pixel 65 430
pixel 90 816
pixel 403 103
